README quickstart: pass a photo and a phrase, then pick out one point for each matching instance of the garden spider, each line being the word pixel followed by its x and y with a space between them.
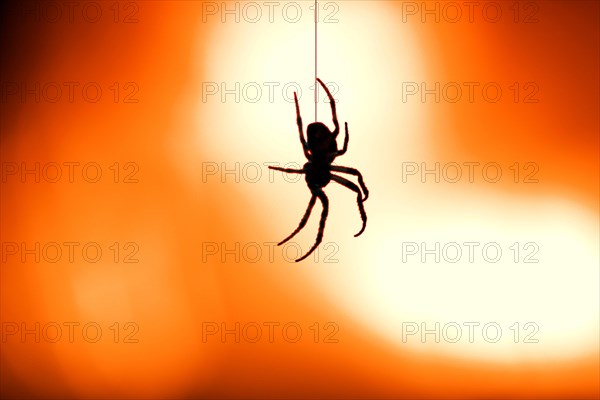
pixel 320 150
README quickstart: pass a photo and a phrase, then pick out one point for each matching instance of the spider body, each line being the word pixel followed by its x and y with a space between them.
pixel 321 141
pixel 317 173
pixel 321 150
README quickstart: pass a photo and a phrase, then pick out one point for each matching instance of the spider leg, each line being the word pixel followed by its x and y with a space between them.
pixel 332 102
pixel 288 170
pixel 303 221
pixel 355 172
pixel 346 139
pixel 321 195
pixel 300 131
pixel 345 182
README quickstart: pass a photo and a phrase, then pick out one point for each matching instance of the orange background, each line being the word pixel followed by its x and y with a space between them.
pixel 170 212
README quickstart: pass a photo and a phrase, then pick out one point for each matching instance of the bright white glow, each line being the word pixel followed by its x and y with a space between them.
pixel 558 295
pixel 368 54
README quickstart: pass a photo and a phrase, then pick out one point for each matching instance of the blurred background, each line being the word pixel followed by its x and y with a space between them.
pixel 140 220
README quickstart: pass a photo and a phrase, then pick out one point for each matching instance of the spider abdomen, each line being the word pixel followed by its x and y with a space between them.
pixel 320 139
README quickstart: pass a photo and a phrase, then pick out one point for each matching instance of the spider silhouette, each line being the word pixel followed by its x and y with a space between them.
pixel 321 150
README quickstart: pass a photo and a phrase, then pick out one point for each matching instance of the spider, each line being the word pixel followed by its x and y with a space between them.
pixel 320 151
